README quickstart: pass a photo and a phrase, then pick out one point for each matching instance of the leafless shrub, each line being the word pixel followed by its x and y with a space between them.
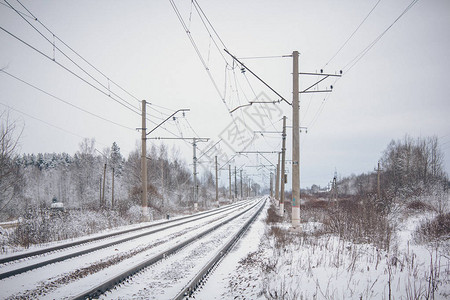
pixel 434 230
pixel 359 221
pixel 273 216
pixel 419 206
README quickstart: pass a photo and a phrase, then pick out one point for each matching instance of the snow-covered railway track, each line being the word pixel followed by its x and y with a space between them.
pixel 19 266
pixel 7 268
pixel 29 254
pixel 177 271
pixel 95 266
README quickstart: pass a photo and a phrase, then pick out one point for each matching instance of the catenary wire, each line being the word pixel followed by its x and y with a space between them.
pixel 47 123
pixel 357 58
pixel 354 32
pixel 79 55
pixel 64 54
pixel 32 16
pixel 64 101
pixel 21 12
pixel 68 70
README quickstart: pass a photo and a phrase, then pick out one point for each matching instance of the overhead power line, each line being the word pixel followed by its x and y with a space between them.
pixel 355 60
pixel 21 12
pixel 66 102
pixel 68 70
pixel 349 38
pixel 47 123
pixel 79 55
pixel 200 56
pixel 64 54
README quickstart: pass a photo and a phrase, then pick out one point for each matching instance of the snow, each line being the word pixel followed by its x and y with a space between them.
pixel 315 266
pixel 294 265
pixel 67 270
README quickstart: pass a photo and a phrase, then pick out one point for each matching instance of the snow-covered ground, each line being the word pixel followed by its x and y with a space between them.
pixel 271 261
pixel 310 266
pixel 71 276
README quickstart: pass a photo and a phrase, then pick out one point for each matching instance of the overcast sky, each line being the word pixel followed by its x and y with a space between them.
pixel 399 87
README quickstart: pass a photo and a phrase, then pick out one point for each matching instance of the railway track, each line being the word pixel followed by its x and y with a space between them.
pixel 172 279
pixel 167 236
pixel 28 254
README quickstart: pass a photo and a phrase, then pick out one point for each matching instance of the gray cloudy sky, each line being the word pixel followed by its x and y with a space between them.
pixel 399 87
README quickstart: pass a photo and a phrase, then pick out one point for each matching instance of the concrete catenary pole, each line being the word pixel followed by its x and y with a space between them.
pixel 242 195
pixel 162 181
pixel 235 183
pixel 277 180
pixel 283 163
pixel 195 174
pixel 103 189
pixel 144 163
pixel 229 178
pixel 217 181
pixel 100 190
pixel 112 189
pixel 295 144
pixel 378 182
pixel 271 184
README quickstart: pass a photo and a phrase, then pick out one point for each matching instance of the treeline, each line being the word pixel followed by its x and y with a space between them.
pixel 409 169
pixel 368 207
pixel 78 181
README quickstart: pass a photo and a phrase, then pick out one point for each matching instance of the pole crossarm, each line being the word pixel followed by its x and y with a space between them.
pixel 183 109
pixel 307 90
pixel 261 132
pixel 258 152
pixel 180 138
pixel 257 77
pixel 261 153
pixel 320 74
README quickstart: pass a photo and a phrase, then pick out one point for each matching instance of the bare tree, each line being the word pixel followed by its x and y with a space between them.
pixel 9 171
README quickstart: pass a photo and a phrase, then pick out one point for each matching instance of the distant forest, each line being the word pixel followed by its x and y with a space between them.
pixel 34 180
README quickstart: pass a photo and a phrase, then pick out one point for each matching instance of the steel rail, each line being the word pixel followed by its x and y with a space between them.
pixel 201 276
pixel 99 289
pixel 93 239
pixel 92 249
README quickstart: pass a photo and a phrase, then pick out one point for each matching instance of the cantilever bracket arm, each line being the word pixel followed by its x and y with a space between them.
pixel 183 109
pixel 253 102
pixel 257 77
pixel 240 106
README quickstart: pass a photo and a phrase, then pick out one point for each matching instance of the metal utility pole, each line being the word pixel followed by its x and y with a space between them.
pixel 335 191
pixel 217 181
pixel 277 180
pixel 283 166
pixel 144 162
pixel 229 177
pixel 295 145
